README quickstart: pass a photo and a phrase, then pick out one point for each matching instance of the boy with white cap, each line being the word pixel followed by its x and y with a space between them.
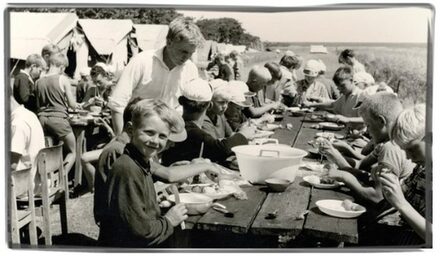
pixel 215 122
pixel 196 98
pixel 308 89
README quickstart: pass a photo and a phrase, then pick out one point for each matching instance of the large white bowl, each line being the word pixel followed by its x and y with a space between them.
pixel 334 208
pixel 195 203
pixel 260 162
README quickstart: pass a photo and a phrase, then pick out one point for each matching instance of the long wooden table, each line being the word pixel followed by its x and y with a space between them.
pixel 250 227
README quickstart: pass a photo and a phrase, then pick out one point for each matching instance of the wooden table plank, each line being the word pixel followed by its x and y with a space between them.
pixel 244 213
pixel 290 204
pixel 284 135
pixel 321 225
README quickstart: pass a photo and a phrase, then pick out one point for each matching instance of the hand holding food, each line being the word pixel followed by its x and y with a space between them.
pixel 177 214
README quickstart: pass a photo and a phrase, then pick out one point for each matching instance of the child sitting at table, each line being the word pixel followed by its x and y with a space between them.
pixel 309 89
pixel 131 216
pixel 83 84
pixel 98 92
pixel 54 95
pixel 407 224
pixel 343 107
pixel 380 112
pixel 24 82
pixel 258 79
pixel 196 98
pixel 215 122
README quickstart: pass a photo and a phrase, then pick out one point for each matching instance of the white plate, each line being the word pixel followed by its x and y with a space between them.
pixel 327 135
pixel 218 195
pixel 293 109
pixel 331 126
pixel 263 134
pixel 313 166
pixel 335 208
pixel 311 180
pixel 269 127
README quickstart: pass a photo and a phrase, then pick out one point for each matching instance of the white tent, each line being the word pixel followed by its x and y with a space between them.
pixel 318 49
pixel 150 36
pixel 109 38
pixel 30 32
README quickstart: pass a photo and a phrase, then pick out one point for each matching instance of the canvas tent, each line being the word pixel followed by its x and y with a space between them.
pixel 30 32
pixel 150 37
pixel 318 49
pixel 109 38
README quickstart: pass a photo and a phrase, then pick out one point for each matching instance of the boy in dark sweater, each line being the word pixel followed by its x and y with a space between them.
pixel 24 82
pixel 132 217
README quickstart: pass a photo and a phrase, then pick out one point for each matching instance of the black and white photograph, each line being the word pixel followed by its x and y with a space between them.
pixel 209 128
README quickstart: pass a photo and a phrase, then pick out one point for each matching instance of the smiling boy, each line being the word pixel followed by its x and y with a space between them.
pixel 133 216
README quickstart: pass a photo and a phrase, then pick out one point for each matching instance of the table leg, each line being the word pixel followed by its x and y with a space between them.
pixel 80 148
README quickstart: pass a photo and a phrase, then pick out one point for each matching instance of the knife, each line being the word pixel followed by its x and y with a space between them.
pixel 177 199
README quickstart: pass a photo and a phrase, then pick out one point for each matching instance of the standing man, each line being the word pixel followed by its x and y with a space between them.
pixel 158 73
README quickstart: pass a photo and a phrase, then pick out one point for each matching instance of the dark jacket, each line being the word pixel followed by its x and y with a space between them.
pixel 133 217
pixel 214 149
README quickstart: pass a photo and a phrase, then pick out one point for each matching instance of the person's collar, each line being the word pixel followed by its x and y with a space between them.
pixel 158 54
pixel 27 74
pixel 137 157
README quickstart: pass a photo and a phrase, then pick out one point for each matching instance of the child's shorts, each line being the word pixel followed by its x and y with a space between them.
pixel 58 127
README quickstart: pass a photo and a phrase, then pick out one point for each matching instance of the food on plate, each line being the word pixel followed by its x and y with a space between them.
pixel 327 135
pixel 349 205
pixel 209 190
pixel 289 126
pixel 326 180
pixel 314 179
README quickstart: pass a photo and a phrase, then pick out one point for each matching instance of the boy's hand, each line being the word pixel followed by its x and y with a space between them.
pixel 248 131
pixel 180 163
pixel 177 214
pixel 391 189
pixel 343 147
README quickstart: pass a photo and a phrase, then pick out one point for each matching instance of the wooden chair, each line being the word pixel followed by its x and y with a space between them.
pixel 22 184
pixel 54 187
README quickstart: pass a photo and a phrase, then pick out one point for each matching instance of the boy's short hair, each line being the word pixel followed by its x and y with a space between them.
pixel 183 28
pixel 126 116
pixel 149 107
pixel 410 125
pixel 258 73
pixel 50 49
pixel 98 70
pixel 383 104
pixel 343 73
pixel 345 54
pixel 58 60
pixel 291 61
pixel 274 69
pixel 35 59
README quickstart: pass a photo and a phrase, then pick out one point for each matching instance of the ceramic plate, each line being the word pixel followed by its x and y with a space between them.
pixel 269 127
pixel 312 180
pixel 331 126
pixel 335 208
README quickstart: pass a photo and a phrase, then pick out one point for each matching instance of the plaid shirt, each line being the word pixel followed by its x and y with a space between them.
pixel 413 189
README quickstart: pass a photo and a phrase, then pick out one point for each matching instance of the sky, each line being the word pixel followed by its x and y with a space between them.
pixel 393 25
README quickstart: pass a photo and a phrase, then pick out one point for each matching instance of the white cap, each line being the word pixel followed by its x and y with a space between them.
pixel 312 68
pixel 240 90
pixel 363 77
pixel 197 90
pixel 323 68
pixel 289 53
pixel 178 137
